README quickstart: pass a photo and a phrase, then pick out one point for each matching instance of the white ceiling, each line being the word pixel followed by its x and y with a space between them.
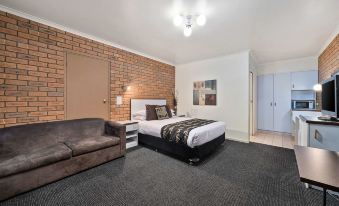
pixel 272 29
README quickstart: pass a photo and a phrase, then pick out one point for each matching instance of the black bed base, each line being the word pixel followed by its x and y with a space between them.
pixel 179 150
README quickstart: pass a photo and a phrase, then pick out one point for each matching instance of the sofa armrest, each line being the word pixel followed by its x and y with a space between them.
pixel 118 130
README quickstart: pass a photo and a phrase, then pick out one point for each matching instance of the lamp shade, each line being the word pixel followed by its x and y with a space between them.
pixel 177 20
pixel 187 31
pixel 317 88
pixel 201 20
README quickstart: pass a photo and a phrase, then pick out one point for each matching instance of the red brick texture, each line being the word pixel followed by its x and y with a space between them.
pixel 32 72
pixel 328 61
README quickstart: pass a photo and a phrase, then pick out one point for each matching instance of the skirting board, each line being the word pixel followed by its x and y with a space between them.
pixel 237 136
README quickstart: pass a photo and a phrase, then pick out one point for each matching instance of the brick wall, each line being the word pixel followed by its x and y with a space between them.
pixel 32 72
pixel 328 61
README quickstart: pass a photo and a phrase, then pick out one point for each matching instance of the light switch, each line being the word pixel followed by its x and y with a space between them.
pixel 119 100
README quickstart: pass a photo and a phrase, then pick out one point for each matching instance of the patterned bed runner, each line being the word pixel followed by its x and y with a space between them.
pixel 179 131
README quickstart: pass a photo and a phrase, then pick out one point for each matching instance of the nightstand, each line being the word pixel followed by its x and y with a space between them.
pixel 131 133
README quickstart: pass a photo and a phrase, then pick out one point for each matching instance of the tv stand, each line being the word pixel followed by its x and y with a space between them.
pixel 319 133
pixel 328 118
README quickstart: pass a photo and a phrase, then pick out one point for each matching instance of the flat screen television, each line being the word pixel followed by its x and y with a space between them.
pixel 329 103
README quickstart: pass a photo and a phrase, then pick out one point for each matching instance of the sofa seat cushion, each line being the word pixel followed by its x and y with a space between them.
pixel 91 144
pixel 15 163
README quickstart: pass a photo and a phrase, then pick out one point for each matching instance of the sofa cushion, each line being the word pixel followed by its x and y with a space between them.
pixel 91 144
pixel 12 163
pixel 25 138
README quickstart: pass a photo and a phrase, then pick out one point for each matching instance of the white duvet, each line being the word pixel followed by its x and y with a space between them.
pixel 197 136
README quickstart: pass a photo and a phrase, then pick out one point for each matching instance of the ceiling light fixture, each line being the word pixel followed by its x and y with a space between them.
pixel 201 20
pixel 177 20
pixel 188 30
pixel 188 22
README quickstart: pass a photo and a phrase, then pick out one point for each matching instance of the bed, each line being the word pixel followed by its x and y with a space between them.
pixel 199 143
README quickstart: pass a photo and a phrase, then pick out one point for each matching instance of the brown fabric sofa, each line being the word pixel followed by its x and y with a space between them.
pixel 36 154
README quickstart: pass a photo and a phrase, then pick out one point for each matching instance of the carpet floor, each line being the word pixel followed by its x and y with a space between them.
pixel 237 174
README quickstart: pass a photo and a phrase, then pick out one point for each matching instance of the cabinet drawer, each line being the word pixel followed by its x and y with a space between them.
pixel 324 137
pixel 132 127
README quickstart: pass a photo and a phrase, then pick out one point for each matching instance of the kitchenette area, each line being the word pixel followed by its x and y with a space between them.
pixel 297 104
pixel 320 129
pixel 281 97
pixel 299 99
pixel 296 107
pixel 304 103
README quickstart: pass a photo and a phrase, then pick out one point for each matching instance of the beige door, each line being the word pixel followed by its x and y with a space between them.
pixel 87 87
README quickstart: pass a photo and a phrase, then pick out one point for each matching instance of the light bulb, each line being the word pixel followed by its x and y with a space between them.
pixel 177 20
pixel 187 31
pixel 317 87
pixel 201 20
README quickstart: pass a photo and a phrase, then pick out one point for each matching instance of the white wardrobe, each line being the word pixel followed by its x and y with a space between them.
pixel 274 102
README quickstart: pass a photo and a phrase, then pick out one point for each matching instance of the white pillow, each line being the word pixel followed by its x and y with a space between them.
pixel 139 117
pixel 140 113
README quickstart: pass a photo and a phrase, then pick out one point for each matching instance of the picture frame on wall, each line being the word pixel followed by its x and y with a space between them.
pixel 205 92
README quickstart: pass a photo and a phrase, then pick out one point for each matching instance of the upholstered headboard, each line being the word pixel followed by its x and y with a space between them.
pixel 140 104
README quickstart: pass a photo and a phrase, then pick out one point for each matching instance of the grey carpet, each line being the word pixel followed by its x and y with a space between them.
pixel 237 174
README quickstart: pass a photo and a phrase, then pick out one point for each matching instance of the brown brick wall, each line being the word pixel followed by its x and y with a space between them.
pixel 328 61
pixel 32 72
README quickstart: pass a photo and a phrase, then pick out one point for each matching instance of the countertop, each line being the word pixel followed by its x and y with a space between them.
pixel 310 110
pixel 315 120
pixel 297 113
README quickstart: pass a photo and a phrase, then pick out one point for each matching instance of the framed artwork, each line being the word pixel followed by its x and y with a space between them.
pixel 205 92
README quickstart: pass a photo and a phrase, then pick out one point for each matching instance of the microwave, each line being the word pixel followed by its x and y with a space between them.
pixel 303 104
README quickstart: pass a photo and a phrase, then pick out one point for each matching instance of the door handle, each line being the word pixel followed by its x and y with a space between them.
pixel 317 134
pixel 104 101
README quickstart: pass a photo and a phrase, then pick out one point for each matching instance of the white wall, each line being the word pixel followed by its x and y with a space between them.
pixel 232 75
pixel 290 65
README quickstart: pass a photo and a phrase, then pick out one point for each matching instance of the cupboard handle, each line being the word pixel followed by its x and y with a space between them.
pixel 317 134
pixel 275 104
pixel 292 85
pixel 271 104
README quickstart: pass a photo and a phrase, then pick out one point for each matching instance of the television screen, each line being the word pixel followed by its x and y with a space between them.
pixel 328 96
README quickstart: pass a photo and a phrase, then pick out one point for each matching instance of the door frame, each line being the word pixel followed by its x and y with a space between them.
pixel 251 103
pixel 65 78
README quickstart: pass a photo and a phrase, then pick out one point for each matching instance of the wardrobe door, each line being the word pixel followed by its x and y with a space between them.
pixel 265 102
pixel 282 102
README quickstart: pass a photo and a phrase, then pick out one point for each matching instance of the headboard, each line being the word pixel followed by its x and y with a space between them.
pixel 140 104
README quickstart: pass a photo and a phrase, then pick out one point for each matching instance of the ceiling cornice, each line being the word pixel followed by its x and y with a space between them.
pixel 73 31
